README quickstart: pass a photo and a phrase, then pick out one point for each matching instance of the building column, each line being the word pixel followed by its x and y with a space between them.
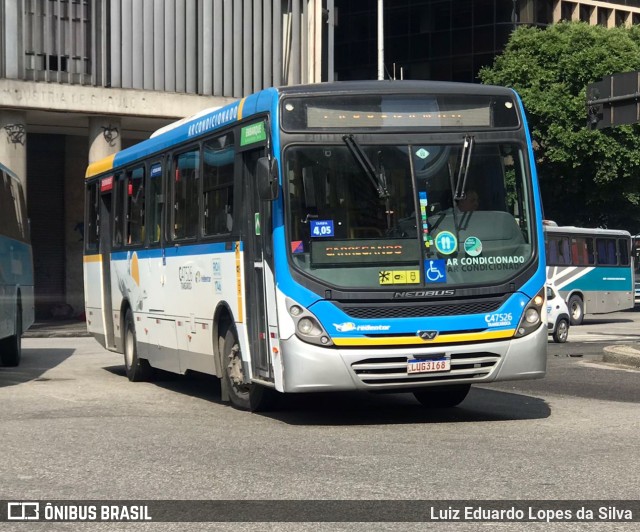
pixel 13 143
pixel 104 137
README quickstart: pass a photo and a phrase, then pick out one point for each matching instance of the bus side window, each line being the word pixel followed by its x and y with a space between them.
pixel 606 248
pixel 154 203
pixel 623 252
pixel 185 194
pixel 134 222
pixel 217 185
pixel 92 228
pixel 8 215
pixel 118 210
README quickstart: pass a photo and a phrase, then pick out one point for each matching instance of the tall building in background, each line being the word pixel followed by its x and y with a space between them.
pixel 450 40
pixel 81 79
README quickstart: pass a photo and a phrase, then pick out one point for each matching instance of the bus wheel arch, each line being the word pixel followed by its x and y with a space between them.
pixel 11 347
pixel 576 308
pixel 234 388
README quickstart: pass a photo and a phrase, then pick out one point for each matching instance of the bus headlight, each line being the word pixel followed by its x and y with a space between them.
pixel 531 317
pixel 308 327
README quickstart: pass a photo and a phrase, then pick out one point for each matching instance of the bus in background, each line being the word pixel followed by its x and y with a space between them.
pixel 591 268
pixel 16 268
pixel 313 238
pixel 635 256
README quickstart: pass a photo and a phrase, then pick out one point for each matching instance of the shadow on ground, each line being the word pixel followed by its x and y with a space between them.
pixel 34 363
pixel 361 408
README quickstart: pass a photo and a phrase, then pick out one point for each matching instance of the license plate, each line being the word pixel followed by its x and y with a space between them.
pixel 428 365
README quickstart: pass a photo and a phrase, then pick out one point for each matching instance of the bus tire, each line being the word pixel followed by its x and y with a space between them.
pixel 242 395
pixel 11 347
pixel 136 368
pixel 576 309
pixel 442 396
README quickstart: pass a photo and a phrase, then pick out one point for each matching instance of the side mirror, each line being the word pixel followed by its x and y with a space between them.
pixel 267 178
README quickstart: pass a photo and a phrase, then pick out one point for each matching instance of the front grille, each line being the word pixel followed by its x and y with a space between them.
pixel 388 309
pixel 393 370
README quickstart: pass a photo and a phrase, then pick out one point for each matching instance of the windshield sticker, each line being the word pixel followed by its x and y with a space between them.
pixel 320 228
pixel 422 153
pixel 349 326
pixel 499 319
pixel 435 271
pixel 446 242
pixel 297 246
pixel 399 276
pixel 481 264
pixel 473 246
pixel 424 203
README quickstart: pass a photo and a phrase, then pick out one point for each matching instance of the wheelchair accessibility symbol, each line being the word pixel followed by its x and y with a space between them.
pixel 435 271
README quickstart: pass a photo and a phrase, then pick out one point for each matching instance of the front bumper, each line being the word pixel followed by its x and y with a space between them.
pixel 309 368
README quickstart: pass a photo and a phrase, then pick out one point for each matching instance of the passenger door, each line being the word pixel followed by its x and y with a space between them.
pixel 258 264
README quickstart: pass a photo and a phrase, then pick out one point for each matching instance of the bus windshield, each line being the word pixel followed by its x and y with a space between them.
pixel 365 215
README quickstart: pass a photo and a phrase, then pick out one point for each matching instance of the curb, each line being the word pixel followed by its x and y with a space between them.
pixel 622 354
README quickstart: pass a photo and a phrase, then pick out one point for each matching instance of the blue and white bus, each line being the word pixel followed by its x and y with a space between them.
pixel 312 238
pixel 16 269
pixel 591 268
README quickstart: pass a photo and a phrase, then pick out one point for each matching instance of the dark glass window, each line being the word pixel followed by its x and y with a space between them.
pixel 134 226
pixel 186 168
pixel 606 248
pixel 217 185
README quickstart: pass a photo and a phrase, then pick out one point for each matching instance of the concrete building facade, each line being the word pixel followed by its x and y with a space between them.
pixel 81 79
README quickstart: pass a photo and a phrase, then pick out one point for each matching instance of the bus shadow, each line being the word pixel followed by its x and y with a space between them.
pixel 390 409
pixel 34 363
pixel 361 408
pixel 603 321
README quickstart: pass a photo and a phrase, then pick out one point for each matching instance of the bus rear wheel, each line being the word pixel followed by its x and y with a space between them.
pixel 11 347
pixel 576 309
pixel 442 396
pixel 243 396
pixel 137 369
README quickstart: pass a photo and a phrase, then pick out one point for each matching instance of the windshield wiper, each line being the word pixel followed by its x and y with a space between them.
pixel 463 170
pixel 378 180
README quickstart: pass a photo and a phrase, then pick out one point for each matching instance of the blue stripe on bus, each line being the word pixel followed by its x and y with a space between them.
pixel 178 251
pixel 263 101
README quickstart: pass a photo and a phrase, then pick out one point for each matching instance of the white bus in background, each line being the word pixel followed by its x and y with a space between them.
pixel 16 268
pixel 592 269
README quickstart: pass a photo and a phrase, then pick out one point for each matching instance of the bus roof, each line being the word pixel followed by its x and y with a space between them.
pixel 597 231
pixel 266 100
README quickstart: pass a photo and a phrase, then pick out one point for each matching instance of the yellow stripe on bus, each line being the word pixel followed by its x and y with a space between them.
pixel 238 281
pixel 103 165
pixel 414 340
pixel 240 108
pixel 92 258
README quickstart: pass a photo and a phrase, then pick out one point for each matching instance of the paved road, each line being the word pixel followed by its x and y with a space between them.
pixel 73 427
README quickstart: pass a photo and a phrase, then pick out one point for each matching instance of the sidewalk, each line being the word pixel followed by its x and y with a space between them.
pixel 57 329
pixel 624 355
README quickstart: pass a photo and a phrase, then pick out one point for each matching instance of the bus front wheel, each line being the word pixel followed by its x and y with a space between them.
pixel 243 396
pixel 576 309
pixel 137 369
pixel 11 347
pixel 442 396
